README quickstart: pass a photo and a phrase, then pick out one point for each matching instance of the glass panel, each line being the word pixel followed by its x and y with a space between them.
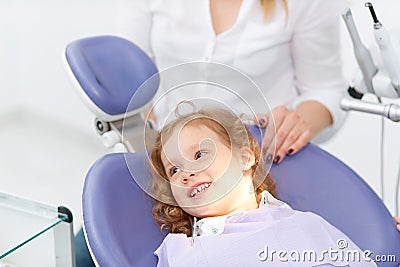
pixel 23 221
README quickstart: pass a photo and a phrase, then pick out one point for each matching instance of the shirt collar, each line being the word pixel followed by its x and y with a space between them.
pixel 216 225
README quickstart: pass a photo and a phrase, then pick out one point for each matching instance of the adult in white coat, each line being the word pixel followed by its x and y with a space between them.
pixel 289 48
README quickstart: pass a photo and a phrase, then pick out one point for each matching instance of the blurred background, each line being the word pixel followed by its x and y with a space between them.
pixel 47 137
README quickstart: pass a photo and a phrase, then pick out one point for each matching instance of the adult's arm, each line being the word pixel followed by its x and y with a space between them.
pixel 316 52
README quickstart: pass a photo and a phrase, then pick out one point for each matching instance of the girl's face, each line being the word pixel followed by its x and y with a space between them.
pixel 207 177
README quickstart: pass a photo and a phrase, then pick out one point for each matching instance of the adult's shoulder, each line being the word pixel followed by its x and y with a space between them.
pixel 314 10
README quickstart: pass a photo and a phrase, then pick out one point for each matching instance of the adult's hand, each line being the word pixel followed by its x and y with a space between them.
pixel 293 129
pixel 397 220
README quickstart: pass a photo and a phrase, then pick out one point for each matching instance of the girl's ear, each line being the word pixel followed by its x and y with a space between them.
pixel 247 158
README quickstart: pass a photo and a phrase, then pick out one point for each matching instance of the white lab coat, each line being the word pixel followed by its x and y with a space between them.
pixel 290 58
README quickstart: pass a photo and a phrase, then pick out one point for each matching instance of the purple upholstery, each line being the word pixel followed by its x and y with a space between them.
pixel 121 232
pixel 117 214
pixel 329 188
pixel 109 70
pixel 314 180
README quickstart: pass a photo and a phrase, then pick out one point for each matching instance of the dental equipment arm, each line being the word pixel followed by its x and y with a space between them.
pixel 391 111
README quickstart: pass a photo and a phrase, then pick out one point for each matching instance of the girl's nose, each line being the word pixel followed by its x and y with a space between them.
pixel 186 176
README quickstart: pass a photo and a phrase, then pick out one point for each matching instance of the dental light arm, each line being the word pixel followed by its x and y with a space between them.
pixel 391 111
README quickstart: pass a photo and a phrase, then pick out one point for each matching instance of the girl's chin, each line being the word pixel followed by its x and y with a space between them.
pixel 203 211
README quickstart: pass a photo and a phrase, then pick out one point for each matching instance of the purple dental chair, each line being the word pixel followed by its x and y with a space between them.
pixel 117 213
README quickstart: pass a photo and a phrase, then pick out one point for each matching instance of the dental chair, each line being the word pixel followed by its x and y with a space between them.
pixel 118 222
pixel 121 232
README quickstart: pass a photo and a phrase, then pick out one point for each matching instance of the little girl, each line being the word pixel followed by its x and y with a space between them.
pixel 220 206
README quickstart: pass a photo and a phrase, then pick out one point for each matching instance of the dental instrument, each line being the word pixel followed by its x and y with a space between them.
pixel 389 54
pixel 363 55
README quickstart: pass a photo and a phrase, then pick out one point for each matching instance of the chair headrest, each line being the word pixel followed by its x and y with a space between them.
pixel 110 70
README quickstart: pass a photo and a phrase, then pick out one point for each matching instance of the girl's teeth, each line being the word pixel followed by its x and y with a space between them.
pixel 199 189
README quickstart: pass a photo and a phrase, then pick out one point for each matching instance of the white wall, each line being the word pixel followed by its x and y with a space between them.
pixel 8 89
pixel 33 37
pixel 32 75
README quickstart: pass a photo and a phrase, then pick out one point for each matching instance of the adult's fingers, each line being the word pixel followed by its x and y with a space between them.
pixel 268 144
pixel 295 140
pixel 283 124
pixel 288 130
pixel 265 121
pixel 292 133
pixel 397 220
pixel 261 120
pixel 286 136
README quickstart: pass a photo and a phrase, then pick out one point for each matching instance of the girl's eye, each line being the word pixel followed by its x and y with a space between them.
pixel 199 154
pixel 173 170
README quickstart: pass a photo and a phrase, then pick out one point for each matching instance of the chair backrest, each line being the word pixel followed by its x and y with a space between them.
pixel 121 232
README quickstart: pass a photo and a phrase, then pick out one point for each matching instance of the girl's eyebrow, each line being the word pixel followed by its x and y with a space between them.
pixel 203 144
pixel 192 148
pixel 168 165
pixel 165 161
